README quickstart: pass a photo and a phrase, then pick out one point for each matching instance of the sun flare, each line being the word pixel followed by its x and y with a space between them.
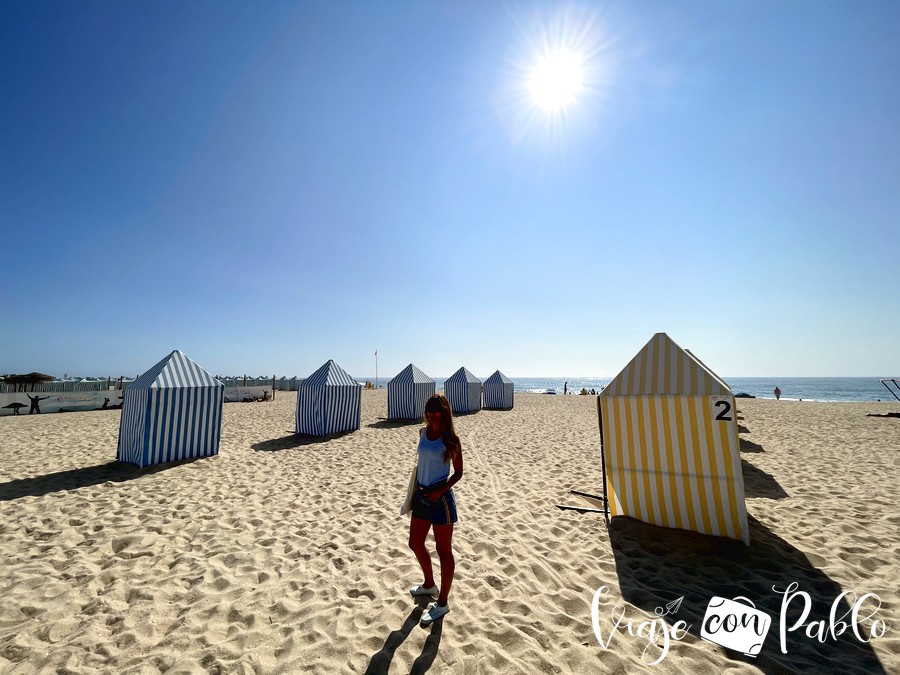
pixel 556 80
pixel 558 77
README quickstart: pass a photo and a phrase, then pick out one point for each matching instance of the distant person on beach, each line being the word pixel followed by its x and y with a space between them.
pixel 36 403
pixel 565 388
pixel 433 504
pixel 777 393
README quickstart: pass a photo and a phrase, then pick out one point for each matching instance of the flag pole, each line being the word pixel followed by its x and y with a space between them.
pixel 376 369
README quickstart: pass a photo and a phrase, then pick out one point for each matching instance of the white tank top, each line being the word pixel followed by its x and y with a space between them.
pixel 433 466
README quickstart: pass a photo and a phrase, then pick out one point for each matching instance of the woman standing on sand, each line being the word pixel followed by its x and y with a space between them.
pixel 433 504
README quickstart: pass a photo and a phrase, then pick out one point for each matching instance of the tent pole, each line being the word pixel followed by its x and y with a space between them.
pixel 603 464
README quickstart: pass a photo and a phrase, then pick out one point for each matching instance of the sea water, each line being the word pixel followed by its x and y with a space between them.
pixel 792 388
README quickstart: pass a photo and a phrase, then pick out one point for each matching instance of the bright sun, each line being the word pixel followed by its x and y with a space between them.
pixel 556 80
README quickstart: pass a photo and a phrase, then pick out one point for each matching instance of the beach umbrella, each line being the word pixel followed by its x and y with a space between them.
pixel 29 378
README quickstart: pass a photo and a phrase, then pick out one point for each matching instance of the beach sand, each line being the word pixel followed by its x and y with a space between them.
pixel 288 555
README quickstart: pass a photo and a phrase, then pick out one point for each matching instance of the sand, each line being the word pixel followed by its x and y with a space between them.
pixel 288 555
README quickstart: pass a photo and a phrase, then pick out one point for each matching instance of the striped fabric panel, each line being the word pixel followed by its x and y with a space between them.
pixel 172 412
pixel 408 392
pixel 423 392
pixel 455 394
pixel 180 371
pixel 131 426
pixel 328 410
pixel 331 373
pixel 342 408
pixel 165 425
pixel 407 401
pixel 498 391
pixel 473 393
pixel 149 377
pixel 175 370
pixel 662 367
pixel 723 386
pixel 184 423
pixel 328 402
pixel 671 463
pixel 310 410
pixel 463 391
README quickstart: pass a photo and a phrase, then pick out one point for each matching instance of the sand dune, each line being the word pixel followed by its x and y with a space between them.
pixel 287 555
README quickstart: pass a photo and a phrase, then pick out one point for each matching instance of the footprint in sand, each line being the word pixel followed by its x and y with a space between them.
pixel 356 593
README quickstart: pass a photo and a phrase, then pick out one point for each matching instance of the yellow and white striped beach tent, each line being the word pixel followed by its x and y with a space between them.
pixel 669 435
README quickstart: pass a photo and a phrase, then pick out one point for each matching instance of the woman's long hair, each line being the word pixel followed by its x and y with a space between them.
pixel 439 403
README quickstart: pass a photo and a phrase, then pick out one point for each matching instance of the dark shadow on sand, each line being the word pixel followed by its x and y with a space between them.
pixel 750 446
pixel 293 440
pixel 380 662
pixel 742 429
pixel 758 483
pixel 384 423
pixel 699 567
pixel 115 471
pixel 425 660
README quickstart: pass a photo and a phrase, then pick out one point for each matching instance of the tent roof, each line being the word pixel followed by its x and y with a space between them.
pixel 28 378
pixel 463 375
pixel 329 375
pixel 662 367
pixel 175 370
pixel 498 377
pixel 412 374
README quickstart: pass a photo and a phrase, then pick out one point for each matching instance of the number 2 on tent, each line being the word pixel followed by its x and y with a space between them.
pixel 725 412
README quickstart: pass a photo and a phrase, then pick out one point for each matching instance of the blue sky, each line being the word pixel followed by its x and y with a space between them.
pixel 269 185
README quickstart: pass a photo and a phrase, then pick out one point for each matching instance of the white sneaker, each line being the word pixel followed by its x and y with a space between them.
pixel 434 612
pixel 421 590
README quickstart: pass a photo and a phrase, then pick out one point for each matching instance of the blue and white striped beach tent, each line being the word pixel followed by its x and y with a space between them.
pixel 463 391
pixel 407 394
pixel 171 412
pixel 498 391
pixel 328 402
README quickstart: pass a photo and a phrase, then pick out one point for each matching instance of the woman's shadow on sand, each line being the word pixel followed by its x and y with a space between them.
pixel 380 662
pixel 700 567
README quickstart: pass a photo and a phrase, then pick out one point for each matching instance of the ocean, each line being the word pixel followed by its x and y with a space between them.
pixel 792 388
